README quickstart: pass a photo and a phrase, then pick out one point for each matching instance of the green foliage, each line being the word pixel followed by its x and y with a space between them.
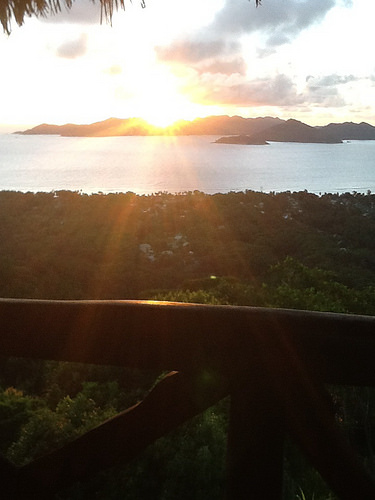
pixel 122 387
pixel 212 290
pixel 188 463
pixel 291 284
pixel 72 399
pixel 48 429
pixel 73 246
pixel 15 410
pixel 195 296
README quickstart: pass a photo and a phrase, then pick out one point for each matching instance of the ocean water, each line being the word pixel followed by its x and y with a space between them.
pixel 146 165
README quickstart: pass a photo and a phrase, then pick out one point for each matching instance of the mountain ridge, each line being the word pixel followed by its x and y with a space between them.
pixel 237 129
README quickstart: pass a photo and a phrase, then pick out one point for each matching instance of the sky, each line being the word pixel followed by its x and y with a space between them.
pixel 312 60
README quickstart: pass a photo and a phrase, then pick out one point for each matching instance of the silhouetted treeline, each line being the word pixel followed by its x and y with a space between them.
pixel 73 246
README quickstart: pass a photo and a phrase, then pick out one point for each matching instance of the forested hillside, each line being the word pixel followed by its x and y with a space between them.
pixel 293 250
pixel 73 246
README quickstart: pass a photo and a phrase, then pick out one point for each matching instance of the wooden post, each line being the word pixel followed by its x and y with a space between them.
pixel 255 442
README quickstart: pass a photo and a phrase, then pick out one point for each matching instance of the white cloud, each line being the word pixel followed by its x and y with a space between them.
pixel 329 80
pixel 72 49
pixel 292 16
pixel 273 91
pixel 222 40
pixel 224 66
pixel 195 50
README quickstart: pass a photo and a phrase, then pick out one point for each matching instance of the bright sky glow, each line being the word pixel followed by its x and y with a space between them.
pixel 305 59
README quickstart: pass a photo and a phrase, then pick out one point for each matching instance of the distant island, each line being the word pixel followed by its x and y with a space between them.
pixel 232 129
pixel 240 139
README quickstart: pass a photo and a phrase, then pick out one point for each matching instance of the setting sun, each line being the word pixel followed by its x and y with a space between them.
pixel 165 113
pixel 160 102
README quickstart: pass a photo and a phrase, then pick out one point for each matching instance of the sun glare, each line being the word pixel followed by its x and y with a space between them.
pixel 160 115
pixel 160 102
pixel 164 114
pixel 168 109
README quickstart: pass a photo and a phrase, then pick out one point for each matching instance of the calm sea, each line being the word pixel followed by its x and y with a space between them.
pixel 147 165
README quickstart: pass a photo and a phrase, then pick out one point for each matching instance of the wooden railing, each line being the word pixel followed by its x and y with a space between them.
pixel 272 362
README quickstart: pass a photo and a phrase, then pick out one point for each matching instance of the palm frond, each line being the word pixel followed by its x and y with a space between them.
pixel 19 9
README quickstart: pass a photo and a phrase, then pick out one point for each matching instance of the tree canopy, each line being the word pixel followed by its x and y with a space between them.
pixel 19 9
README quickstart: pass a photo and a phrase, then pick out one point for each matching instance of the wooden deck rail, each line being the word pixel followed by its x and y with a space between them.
pixel 272 362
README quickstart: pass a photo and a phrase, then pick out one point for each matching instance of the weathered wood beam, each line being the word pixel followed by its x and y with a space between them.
pixel 255 459
pixel 187 337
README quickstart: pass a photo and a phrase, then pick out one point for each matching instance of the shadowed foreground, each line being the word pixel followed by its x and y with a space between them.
pixel 272 362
